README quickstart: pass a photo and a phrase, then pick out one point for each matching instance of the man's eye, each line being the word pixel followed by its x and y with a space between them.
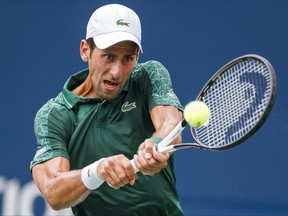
pixel 128 59
pixel 108 57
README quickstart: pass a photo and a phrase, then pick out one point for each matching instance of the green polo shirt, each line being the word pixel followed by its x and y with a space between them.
pixel 85 130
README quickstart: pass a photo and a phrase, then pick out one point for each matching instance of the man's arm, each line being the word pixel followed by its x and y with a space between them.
pixel 164 118
pixel 63 188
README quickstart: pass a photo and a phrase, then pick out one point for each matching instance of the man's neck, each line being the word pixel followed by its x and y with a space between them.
pixel 85 89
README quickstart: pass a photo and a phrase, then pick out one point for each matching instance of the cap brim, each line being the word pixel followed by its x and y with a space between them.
pixel 106 40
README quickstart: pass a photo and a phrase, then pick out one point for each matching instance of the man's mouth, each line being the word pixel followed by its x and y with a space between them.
pixel 110 84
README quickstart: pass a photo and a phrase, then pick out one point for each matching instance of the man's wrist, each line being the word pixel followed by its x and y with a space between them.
pixel 90 177
pixel 156 139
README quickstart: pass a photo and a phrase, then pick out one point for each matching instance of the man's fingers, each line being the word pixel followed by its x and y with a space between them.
pixel 147 167
pixel 117 171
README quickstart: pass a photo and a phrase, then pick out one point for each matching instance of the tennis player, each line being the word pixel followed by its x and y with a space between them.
pixel 114 111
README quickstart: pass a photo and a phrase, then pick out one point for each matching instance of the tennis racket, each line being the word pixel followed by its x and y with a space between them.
pixel 240 97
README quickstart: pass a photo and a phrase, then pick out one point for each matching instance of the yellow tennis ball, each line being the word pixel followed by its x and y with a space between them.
pixel 196 113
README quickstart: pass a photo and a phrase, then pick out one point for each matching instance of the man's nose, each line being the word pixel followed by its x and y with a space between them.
pixel 117 69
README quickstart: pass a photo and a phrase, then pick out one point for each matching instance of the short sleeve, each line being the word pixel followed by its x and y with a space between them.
pixel 161 86
pixel 52 127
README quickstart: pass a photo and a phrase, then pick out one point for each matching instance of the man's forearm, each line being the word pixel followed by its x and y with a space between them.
pixel 65 190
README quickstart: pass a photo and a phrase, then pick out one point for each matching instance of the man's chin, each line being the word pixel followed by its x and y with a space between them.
pixel 107 97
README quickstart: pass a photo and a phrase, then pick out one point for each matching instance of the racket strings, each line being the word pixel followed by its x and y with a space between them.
pixel 237 100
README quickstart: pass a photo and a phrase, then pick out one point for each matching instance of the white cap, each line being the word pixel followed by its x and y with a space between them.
pixel 114 23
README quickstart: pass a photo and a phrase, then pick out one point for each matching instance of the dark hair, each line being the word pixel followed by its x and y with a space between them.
pixel 91 44
pixel 134 47
pixel 127 45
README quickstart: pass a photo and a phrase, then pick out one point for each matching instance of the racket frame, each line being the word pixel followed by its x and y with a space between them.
pixel 266 112
pixel 165 146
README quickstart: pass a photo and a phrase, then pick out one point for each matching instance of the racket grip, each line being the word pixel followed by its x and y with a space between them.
pixel 169 149
pixel 134 166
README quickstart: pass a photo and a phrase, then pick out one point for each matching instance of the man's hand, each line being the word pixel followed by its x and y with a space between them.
pixel 148 160
pixel 117 171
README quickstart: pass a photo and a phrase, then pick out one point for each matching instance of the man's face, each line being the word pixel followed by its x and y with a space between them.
pixel 109 69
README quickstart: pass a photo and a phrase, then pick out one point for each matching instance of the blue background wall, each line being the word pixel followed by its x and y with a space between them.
pixel 39 49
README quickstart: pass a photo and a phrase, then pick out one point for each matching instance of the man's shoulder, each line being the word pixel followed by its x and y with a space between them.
pixel 151 69
pixel 148 67
pixel 54 106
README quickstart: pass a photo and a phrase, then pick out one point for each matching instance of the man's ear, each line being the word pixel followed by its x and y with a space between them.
pixel 84 50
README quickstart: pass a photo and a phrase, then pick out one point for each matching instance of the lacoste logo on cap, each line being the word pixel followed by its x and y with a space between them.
pixel 122 23
pixel 128 106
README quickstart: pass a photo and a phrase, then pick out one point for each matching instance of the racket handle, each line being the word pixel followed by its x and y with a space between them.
pixel 165 149
pixel 172 135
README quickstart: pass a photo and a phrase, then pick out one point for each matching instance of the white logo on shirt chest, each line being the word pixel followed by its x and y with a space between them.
pixel 128 106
